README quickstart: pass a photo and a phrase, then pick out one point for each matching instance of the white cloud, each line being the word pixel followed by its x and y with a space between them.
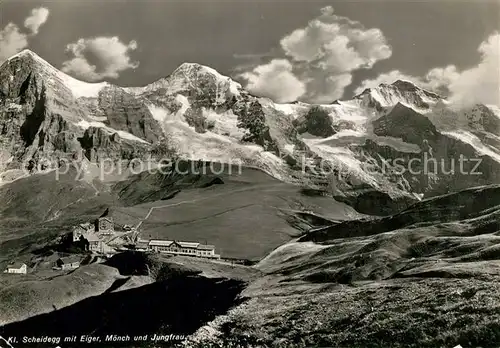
pixel 479 84
pixel 12 40
pixel 275 80
pixel 391 76
pixel 325 52
pixel 37 18
pixel 323 89
pixel 98 58
pixel 437 79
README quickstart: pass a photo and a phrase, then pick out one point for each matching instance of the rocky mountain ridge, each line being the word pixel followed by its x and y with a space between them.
pixel 197 113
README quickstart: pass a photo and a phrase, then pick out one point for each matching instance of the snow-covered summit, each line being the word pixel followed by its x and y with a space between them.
pixel 400 91
pixel 191 76
pixel 56 78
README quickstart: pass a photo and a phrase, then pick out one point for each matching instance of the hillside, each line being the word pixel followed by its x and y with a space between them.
pixel 224 214
pixel 430 280
pixel 425 277
pixel 199 205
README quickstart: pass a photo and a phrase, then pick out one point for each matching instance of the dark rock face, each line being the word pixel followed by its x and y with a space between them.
pixel 444 164
pixel 33 127
pixel 165 183
pixel 403 122
pixel 128 113
pixel 316 122
pixel 23 77
pixel 40 116
pixel 482 118
pixel 187 295
pixel 32 124
pixel 99 144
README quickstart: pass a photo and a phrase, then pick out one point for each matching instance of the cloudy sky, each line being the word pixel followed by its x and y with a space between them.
pixel 315 51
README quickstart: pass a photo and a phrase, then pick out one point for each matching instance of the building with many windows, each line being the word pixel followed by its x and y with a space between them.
pixel 182 248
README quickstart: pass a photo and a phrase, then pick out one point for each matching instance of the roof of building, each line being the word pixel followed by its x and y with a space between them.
pixel 16 265
pixel 188 245
pixel 206 247
pixel 167 243
pixel 158 242
pixel 70 259
pixel 91 237
pixel 142 242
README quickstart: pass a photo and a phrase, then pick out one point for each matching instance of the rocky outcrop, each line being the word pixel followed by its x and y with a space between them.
pixel 466 204
pixel 318 122
pixel 43 117
pixel 99 144
pixel 34 128
pixel 405 123
pixel 128 113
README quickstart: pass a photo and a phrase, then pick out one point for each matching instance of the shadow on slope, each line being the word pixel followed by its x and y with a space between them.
pixel 33 297
pixel 177 306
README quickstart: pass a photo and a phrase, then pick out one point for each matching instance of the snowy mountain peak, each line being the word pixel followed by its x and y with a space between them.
pixel 24 53
pixel 190 77
pixel 195 71
pixel 29 62
pixel 31 58
pixel 405 85
pixel 400 91
pixel 196 68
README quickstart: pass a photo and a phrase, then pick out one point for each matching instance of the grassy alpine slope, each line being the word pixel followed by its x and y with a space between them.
pixel 429 282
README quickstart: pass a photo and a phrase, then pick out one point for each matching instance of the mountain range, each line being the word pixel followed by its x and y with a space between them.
pixel 198 114
pixel 371 221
